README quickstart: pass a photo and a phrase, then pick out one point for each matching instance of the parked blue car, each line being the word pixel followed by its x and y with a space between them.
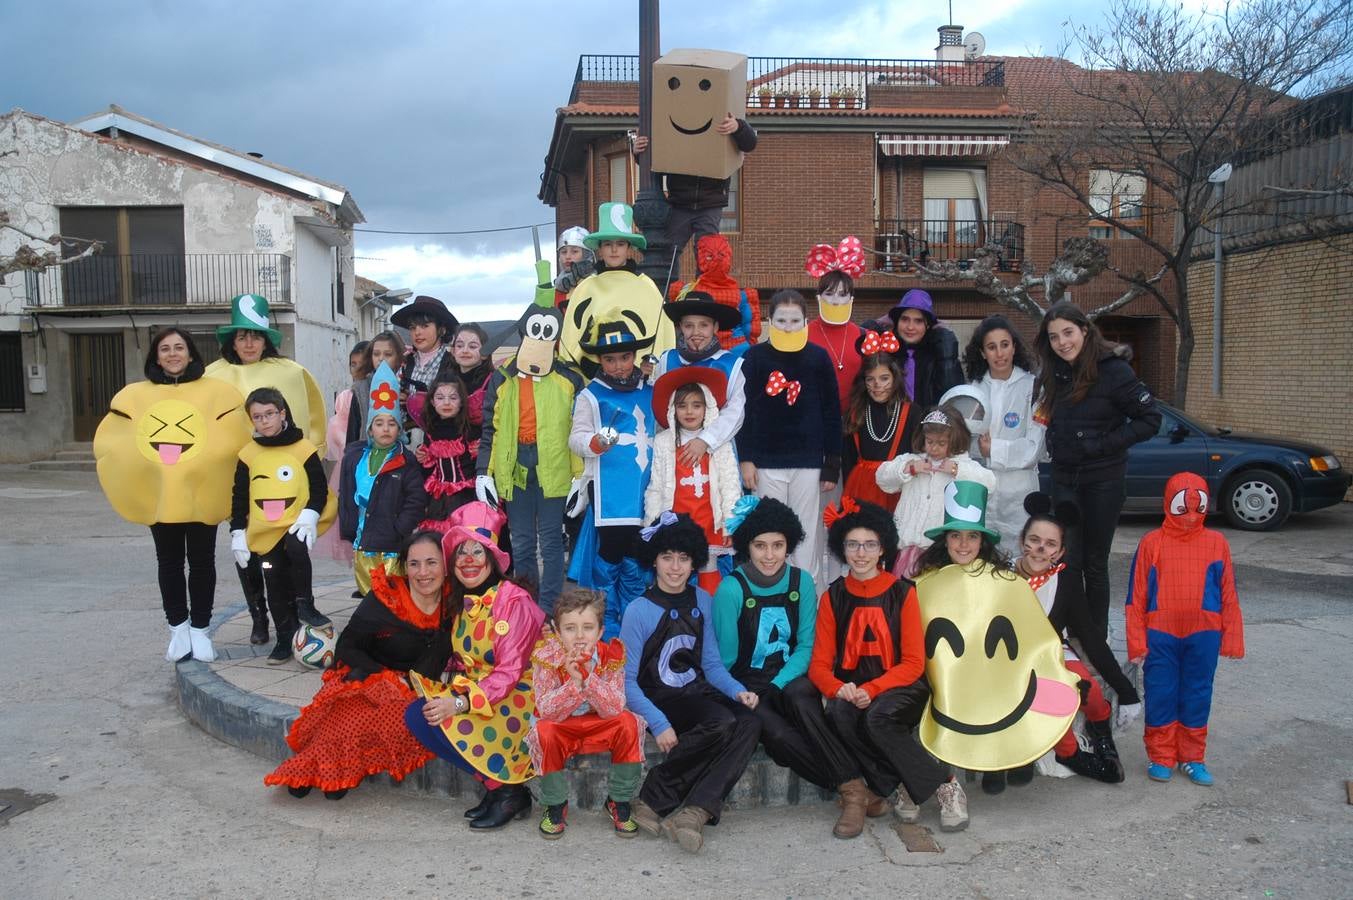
pixel 1256 481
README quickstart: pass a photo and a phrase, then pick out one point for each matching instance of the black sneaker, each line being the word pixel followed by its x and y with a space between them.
pixel 281 652
pixel 306 612
pixel 621 818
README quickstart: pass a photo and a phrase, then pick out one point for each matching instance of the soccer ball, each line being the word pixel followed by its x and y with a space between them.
pixel 314 646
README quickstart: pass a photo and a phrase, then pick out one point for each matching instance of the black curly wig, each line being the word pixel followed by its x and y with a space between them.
pixel 770 517
pixel 683 536
pixel 871 516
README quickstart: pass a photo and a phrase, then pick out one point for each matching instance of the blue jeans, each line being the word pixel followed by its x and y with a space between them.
pixel 537 525
pixel 1088 545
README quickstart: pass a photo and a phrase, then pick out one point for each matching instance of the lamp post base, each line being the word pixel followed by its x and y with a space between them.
pixel 651 211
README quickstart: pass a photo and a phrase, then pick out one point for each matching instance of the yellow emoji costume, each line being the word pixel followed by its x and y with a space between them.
pixel 164 451
pixel 278 491
pixel 1001 696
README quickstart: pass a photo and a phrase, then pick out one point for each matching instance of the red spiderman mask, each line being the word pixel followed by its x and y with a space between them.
pixel 1185 504
pixel 714 257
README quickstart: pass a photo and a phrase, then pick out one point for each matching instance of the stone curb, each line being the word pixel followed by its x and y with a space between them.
pixel 259 725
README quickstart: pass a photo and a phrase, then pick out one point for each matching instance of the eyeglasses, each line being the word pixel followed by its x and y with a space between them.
pixel 866 546
pixel 265 416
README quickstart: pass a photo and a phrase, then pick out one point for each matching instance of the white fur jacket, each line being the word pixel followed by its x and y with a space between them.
pixel 725 485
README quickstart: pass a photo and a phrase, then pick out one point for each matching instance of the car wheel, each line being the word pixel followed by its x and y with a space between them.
pixel 1257 500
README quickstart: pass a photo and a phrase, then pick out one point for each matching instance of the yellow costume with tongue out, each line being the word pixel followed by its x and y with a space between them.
pixel 165 451
pixel 278 491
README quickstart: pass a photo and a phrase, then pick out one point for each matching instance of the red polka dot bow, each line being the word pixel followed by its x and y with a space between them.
pixel 777 383
pixel 879 343
pixel 848 258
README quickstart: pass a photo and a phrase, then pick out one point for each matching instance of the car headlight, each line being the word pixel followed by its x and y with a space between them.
pixel 1325 463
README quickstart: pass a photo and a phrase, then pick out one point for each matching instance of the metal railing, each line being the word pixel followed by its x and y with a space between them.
pixel 161 279
pixel 940 240
pixel 816 82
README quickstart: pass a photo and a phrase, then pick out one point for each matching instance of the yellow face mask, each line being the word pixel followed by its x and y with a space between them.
pixel 834 313
pixel 1001 696
pixel 788 341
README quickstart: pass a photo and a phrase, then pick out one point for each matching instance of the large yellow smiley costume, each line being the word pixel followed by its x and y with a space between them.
pixel 1000 695
pixel 165 452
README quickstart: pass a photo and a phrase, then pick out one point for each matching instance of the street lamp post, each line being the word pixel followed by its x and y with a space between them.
pixel 650 206
pixel 1218 178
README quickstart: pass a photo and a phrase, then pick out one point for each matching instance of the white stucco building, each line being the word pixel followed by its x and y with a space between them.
pixel 185 225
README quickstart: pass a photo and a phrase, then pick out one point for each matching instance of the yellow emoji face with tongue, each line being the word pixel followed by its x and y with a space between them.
pixel 278 490
pixel 1001 696
pixel 166 452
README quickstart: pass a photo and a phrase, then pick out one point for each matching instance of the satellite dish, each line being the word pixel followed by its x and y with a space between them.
pixel 974 45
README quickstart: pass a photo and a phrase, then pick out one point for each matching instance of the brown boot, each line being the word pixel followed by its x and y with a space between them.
pixel 854 802
pixel 645 817
pixel 686 827
pixel 878 806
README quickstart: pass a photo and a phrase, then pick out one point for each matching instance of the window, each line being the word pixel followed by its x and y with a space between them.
pixel 11 373
pixel 621 177
pixel 732 220
pixel 141 260
pixel 954 207
pixel 1118 196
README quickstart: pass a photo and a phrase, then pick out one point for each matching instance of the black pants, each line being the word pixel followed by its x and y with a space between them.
pixel 796 735
pixel 286 570
pixel 615 542
pixel 882 739
pixel 716 737
pixel 1088 544
pixel 692 224
pixel 175 544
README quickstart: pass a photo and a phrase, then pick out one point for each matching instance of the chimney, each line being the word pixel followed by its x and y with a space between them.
pixel 950 48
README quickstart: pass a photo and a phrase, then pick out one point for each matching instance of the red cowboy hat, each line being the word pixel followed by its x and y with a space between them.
pixel 666 386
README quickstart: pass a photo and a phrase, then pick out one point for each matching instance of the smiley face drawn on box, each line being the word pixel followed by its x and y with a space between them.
pixel 692 92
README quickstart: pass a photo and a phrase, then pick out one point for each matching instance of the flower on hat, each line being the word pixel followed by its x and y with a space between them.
pixel 384 397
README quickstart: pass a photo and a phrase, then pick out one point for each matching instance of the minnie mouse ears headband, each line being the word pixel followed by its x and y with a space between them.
pixel 1066 514
pixel 848 257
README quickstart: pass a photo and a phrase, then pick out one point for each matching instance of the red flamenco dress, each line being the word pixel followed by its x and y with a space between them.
pixel 354 726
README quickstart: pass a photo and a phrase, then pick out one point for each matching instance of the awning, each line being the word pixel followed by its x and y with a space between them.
pixel 941 144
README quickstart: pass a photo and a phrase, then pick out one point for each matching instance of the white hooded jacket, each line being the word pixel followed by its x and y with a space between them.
pixel 725 486
pixel 1016 449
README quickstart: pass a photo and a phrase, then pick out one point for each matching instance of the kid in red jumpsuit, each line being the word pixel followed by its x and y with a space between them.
pixel 1182 611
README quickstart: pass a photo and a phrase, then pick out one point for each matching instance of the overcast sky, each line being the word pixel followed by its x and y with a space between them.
pixel 435 115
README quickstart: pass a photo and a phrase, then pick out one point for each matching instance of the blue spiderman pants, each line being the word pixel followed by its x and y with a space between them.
pixel 1177 676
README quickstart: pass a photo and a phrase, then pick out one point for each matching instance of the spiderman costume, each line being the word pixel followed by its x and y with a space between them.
pixel 1182 611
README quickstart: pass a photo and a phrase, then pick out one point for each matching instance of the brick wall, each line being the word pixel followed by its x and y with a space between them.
pixel 1286 331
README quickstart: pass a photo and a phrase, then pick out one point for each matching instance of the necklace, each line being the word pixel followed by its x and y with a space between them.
pixel 838 355
pixel 893 419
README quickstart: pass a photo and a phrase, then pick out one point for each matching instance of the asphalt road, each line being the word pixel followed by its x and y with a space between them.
pixel 145 805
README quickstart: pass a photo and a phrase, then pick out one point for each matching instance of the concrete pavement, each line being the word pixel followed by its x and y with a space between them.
pixel 146 805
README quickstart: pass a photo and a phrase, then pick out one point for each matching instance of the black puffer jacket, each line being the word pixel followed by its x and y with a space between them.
pixel 697 192
pixel 397 503
pixel 1089 440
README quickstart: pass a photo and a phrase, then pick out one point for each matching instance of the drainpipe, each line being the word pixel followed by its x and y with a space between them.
pixel 1218 178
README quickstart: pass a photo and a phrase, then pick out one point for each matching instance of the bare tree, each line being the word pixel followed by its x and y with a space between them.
pixel 27 258
pixel 1165 96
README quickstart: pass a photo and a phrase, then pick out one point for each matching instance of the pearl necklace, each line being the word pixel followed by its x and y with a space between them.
pixel 893 419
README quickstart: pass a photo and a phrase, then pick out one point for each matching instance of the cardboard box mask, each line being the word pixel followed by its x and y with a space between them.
pixel 692 91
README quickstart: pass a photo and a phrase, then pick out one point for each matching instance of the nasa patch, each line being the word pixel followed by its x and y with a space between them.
pixel 1011 419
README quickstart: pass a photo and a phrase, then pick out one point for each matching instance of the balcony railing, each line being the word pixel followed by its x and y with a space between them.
pixel 940 240
pixel 816 82
pixel 161 279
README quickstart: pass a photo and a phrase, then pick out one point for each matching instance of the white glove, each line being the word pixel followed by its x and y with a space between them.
pixel 1126 713
pixel 485 490
pixel 306 528
pixel 240 547
pixel 577 499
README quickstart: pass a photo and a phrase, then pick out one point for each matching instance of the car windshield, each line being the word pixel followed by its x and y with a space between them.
pixel 1190 421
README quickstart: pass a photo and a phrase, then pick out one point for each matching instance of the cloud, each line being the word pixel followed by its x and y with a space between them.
pixel 481 284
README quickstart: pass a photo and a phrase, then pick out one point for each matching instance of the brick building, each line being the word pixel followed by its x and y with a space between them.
pixel 905 154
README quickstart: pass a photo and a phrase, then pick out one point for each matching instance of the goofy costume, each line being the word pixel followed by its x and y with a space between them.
pixel 1182 611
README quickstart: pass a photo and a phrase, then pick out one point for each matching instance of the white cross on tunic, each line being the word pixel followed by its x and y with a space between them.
pixel 639 440
pixel 698 479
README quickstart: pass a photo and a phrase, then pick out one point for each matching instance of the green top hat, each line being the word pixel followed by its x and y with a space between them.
pixel 965 509
pixel 615 222
pixel 248 312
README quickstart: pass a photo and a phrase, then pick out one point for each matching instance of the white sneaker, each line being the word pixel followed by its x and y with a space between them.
pixel 906 808
pixel 953 806
pixel 202 648
pixel 180 643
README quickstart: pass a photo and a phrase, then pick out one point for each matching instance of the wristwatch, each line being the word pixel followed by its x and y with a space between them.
pixel 462 704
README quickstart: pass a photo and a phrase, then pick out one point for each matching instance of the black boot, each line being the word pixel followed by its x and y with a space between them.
pixel 258 611
pixel 993 782
pixel 1021 775
pixel 284 618
pixel 306 612
pixel 298 792
pixel 1091 766
pixel 481 807
pixel 1101 738
pixel 511 801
